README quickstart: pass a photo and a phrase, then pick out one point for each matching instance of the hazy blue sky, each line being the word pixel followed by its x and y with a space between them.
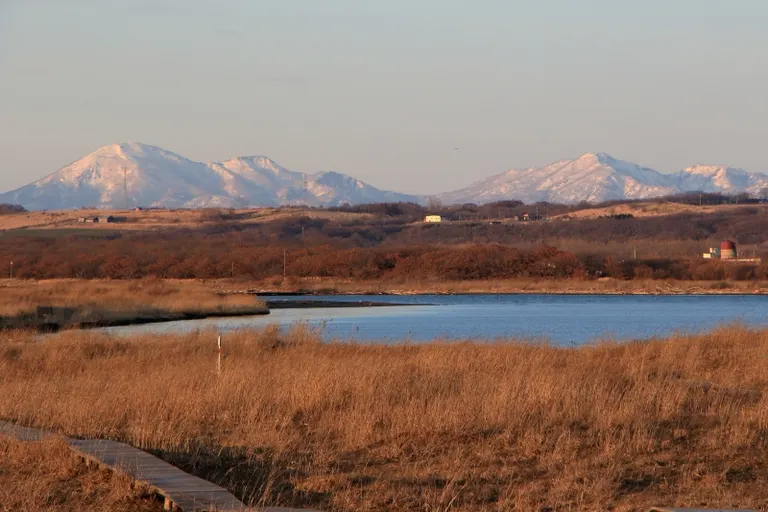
pixel 385 90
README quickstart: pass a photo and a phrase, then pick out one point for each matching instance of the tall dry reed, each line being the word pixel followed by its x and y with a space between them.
pixel 463 426
pixel 47 476
pixel 170 295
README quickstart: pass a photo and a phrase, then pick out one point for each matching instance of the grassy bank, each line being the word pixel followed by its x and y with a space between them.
pixel 37 476
pixel 461 426
pixel 554 286
pixel 62 304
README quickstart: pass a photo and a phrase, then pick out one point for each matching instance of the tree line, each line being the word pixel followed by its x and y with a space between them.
pixel 387 244
pixel 216 257
pixel 6 209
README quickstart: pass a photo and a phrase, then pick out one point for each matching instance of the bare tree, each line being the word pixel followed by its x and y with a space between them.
pixel 435 203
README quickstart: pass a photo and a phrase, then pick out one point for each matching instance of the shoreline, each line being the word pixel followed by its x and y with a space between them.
pixel 54 305
pixel 43 324
pixel 513 287
pixel 332 293
pixel 314 304
pixel 172 317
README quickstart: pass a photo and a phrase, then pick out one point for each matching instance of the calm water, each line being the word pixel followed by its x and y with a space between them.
pixel 561 319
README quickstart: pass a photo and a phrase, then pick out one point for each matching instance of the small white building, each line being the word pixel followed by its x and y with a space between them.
pixel 433 219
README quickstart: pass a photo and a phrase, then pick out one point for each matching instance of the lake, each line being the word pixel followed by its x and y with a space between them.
pixel 560 319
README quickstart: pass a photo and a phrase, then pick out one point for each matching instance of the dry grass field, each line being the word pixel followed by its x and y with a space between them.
pixel 167 218
pixel 159 218
pixel 441 426
pixel 654 209
pixel 116 301
pixel 47 477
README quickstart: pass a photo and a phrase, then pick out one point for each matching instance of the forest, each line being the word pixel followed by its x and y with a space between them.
pixel 389 245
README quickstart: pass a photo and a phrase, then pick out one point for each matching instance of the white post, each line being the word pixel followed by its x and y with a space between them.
pixel 218 364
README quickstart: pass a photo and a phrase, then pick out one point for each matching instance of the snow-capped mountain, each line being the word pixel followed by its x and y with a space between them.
pixel 597 177
pixel 127 175
pixel 134 174
pixel 593 177
pixel 727 180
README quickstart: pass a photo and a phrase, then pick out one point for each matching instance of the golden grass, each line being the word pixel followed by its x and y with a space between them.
pixel 439 426
pixel 102 302
pixel 46 476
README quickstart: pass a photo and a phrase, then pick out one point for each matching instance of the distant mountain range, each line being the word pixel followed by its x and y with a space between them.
pixel 129 175
pixel 597 177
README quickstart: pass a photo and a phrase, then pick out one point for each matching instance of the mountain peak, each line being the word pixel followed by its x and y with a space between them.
pixel 131 151
pixel 594 156
pixel 592 177
pixel 256 161
pixel 598 157
pixel 721 179
pixel 110 150
pixel 337 179
pixel 598 177
pixel 131 174
pixel 132 145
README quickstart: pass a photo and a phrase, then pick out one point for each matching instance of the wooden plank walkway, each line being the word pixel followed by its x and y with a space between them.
pixel 24 433
pixel 185 491
pixel 665 509
pixel 181 490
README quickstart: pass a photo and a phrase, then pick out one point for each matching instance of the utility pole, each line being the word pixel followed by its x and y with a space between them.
pixel 218 362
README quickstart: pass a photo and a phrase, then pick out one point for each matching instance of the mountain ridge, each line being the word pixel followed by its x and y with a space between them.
pixel 153 176
pixel 598 177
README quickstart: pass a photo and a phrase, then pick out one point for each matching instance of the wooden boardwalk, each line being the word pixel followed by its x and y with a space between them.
pixel 181 490
pixel 665 509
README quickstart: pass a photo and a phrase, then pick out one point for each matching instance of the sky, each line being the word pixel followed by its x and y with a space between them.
pixel 386 90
